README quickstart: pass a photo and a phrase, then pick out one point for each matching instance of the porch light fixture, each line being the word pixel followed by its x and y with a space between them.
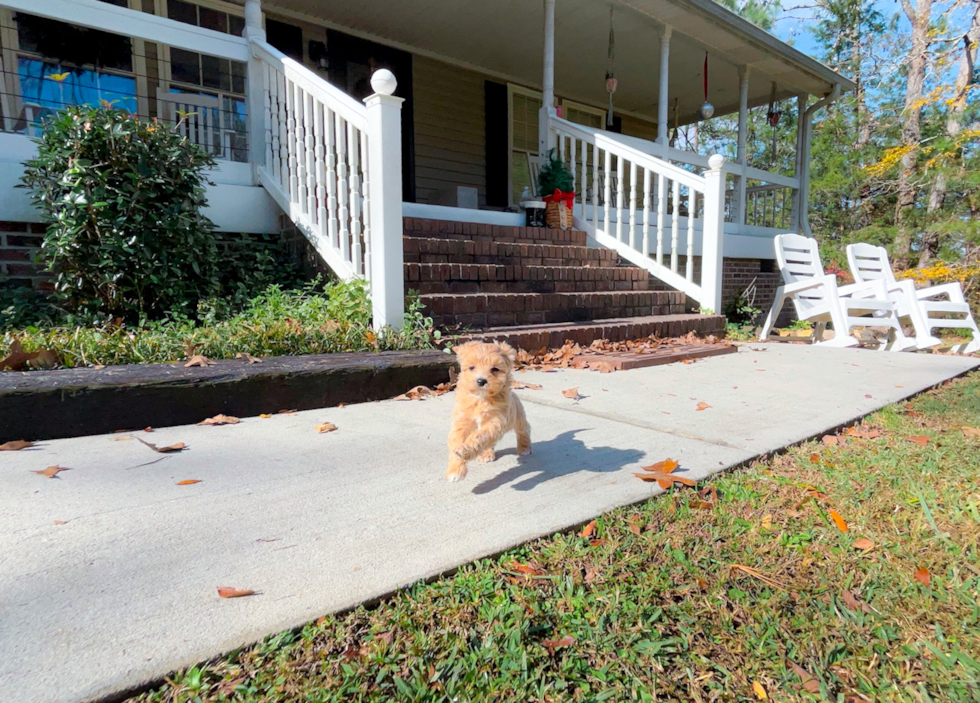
pixel 318 55
pixel 707 110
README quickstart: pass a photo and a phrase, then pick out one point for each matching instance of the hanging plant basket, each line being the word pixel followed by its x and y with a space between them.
pixel 558 215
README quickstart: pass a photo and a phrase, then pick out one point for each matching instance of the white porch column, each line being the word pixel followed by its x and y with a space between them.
pixel 256 90
pixel 545 141
pixel 713 244
pixel 795 213
pixel 743 131
pixel 663 99
pixel 385 202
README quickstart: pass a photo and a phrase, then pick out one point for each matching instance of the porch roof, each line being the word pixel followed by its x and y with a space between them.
pixel 505 40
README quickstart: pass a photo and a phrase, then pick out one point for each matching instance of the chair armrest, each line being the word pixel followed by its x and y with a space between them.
pixel 815 282
pixel 953 290
pixel 866 289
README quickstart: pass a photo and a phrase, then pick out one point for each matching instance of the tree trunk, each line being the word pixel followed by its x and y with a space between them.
pixel 920 18
pixel 954 125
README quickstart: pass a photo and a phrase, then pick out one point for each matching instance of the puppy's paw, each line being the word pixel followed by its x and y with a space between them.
pixel 524 451
pixel 466 452
pixel 455 473
pixel 487 456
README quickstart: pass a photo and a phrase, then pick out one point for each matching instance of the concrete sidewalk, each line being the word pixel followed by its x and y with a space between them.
pixel 125 591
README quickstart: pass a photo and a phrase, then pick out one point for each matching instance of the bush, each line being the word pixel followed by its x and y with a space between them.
pixel 555 175
pixel 122 198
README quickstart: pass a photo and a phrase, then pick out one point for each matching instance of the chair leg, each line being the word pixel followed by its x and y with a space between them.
pixel 774 311
pixel 920 324
pixel 838 318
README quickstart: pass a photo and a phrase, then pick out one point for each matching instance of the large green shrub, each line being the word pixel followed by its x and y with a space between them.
pixel 122 198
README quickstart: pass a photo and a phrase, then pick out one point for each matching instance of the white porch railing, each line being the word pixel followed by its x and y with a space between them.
pixel 645 207
pixel 333 165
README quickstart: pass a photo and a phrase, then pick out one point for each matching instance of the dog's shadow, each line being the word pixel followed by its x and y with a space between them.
pixel 554 458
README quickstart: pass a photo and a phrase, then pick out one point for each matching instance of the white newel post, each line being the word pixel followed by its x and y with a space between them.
pixel 255 75
pixel 545 140
pixel 743 130
pixel 385 201
pixel 663 99
pixel 713 244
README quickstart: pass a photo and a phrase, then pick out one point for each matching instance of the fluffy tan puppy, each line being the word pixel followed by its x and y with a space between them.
pixel 486 407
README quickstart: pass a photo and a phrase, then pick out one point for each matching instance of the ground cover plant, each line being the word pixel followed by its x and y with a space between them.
pixel 846 570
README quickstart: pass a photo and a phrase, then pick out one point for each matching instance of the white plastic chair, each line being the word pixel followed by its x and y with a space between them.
pixel 819 299
pixel 923 307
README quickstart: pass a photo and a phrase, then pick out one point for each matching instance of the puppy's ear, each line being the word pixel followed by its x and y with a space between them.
pixel 508 351
pixel 463 350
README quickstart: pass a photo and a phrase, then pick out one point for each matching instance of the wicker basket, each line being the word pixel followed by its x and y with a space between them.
pixel 558 216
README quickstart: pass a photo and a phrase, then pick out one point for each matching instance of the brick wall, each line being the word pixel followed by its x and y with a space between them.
pixel 738 274
pixel 19 243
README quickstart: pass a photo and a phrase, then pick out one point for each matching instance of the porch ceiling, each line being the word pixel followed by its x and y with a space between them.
pixel 507 41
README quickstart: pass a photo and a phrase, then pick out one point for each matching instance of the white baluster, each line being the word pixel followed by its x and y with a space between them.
pixel 595 186
pixel 675 222
pixel 584 170
pixel 620 186
pixel 607 190
pixel 571 160
pixel 311 202
pixel 282 128
pixel 293 184
pixel 299 106
pixel 320 169
pixel 646 212
pixel 343 193
pixel 365 189
pixel 633 204
pixel 267 109
pixel 661 216
pixel 329 127
pixel 353 144
pixel 692 209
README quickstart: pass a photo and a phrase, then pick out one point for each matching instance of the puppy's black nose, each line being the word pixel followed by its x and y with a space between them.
pixel 481 382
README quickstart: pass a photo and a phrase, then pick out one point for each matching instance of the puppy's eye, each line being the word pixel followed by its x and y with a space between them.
pixel 494 370
pixel 472 368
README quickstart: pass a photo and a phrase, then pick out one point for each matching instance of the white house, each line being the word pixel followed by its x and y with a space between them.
pixel 288 95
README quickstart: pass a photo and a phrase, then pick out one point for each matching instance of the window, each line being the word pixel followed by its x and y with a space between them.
pixel 206 17
pixel 524 108
pixel 583 114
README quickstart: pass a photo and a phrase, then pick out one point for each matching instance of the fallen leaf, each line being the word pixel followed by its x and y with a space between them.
pixel 602 366
pixel 759 691
pixel 864 544
pixel 868 395
pixel 839 521
pixel 571 393
pixel 51 471
pixel 372 339
pixel 15 446
pixel 635 527
pixel 830 440
pixel 766 522
pixel 288 412
pixel 147 429
pixel 851 601
pixel 326 427
pixel 921 441
pixel 220 420
pixel 755 573
pixel 179 447
pixel 18 359
pixel 60 522
pixel 661 472
pixel 703 406
pixel 588 530
pixel 596 542
pixel 701 505
pixel 861 433
pixel 189 482
pixel 520 385
pixel 971 431
pixel 229 592
pixel 922 576
pixel 120 439
pixel 248 358
pixel 199 360
pixel 806 678
pixel 525 569
pixel 814 458
pixel 265 416
pixel 552 645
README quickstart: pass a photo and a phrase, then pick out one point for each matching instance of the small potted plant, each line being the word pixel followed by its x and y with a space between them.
pixel 555 184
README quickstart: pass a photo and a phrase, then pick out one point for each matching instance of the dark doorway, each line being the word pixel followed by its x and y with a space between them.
pixel 352 63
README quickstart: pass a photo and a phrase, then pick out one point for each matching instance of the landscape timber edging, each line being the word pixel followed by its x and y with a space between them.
pixel 41 405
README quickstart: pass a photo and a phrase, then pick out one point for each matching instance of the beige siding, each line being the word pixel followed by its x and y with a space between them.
pixel 635 127
pixel 449 131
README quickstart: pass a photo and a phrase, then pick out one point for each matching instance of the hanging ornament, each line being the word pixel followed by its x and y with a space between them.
pixel 707 110
pixel 611 82
pixel 773 115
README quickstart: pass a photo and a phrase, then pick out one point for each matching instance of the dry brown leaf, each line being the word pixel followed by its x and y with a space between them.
pixel 571 393
pixel 188 482
pixel 51 471
pixel 326 427
pixel 220 420
pixel 265 416
pixel 179 447
pixel 755 573
pixel 863 544
pixel 920 440
pixel 766 522
pixel 701 504
pixel 596 542
pixel 863 433
pixel 147 429
pixel 839 521
pixel 830 440
pixel 15 445
pixel 525 569
pixel 602 366
pixel 635 527
pixel 923 576
pixel 520 385
pixel 662 473
pixel 552 645
pixel 759 691
pixel 18 359
pixel 248 358
pixel 971 431
pixel 853 602
pixel 588 530
pixel 291 411
pixel 703 406
pixel 60 522
pixel 198 360
pixel 229 592
pixel 806 678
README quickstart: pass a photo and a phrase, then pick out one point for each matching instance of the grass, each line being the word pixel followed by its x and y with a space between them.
pixel 661 612
pixel 312 320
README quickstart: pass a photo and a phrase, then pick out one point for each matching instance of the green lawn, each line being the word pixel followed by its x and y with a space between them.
pixel 652 606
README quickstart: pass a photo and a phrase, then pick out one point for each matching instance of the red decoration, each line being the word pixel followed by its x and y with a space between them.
pixel 558 196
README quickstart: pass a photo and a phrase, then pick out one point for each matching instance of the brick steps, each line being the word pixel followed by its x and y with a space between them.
pixel 493 309
pixel 489 278
pixel 431 250
pixel 534 337
pixel 416 227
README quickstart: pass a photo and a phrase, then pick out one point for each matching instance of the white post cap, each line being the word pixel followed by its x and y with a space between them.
pixel 716 161
pixel 383 82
